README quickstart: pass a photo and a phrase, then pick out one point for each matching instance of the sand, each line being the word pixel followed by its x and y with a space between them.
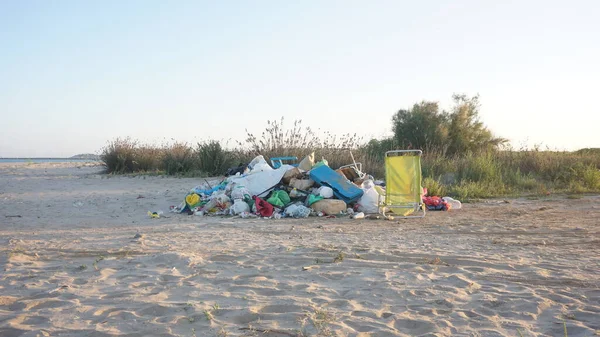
pixel 84 259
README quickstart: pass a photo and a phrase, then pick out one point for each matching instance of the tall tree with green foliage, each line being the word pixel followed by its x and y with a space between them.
pixel 421 127
pixel 466 133
pixel 459 131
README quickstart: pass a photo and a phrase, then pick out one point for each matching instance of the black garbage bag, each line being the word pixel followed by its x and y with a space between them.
pixel 235 170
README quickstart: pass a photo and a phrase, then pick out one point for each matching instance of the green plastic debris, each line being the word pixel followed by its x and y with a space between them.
pixel 314 198
pixel 279 199
pixel 321 163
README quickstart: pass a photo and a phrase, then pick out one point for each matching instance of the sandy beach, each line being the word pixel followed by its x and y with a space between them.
pixel 80 257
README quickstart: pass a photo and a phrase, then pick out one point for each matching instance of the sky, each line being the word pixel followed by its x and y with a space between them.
pixel 76 74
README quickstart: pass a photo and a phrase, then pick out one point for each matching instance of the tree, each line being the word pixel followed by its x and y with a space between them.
pixel 422 127
pixel 466 133
pixel 459 131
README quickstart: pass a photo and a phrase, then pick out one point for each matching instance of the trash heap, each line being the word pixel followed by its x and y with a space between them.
pixel 297 191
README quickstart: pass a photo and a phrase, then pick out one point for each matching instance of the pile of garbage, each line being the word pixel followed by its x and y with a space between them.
pixel 300 190
pixel 287 190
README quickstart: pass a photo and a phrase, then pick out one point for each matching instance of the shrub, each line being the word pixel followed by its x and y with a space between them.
pixel 434 187
pixel 179 158
pixel 212 159
pixel 149 158
pixel 456 132
pixel 118 156
pixel 587 175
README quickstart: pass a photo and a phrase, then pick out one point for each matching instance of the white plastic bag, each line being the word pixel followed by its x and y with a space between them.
pixel 259 182
pixel 239 192
pixel 369 202
pixel 297 211
pixel 259 164
pixel 454 204
pixel 262 167
pixel 239 206
pixel 326 192
pixel 307 163
pixel 216 199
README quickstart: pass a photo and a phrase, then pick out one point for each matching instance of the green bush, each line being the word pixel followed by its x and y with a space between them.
pixel 148 158
pixel 587 175
pixel 119 155
pixel 483 167
pixel 434 187
pixel 213 159
pixel 179 158
pixel 456 132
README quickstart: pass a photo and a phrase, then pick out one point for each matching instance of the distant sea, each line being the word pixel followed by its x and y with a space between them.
pixel 45 160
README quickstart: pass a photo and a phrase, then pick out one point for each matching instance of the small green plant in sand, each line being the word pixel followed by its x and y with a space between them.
pixel 210 313
pixel 339 257
pixel 320 319
pixel 82 267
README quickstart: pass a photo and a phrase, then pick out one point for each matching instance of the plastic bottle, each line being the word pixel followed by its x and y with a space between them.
pixel 297 211
pixel 359 215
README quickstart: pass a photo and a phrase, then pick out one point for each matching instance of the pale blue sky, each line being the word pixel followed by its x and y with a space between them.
pixel 74 74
